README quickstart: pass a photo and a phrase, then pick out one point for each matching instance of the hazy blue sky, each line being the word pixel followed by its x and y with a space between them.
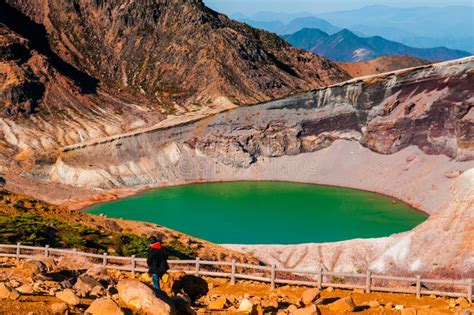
pixel 249 7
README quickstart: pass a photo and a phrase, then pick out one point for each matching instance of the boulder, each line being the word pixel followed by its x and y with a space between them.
pixel 104 307
pixel 245 306
pixel 465 312
pixel 25 289
pixel 85 284
pixel 330 289
pixel 374 304
pixel 97 291
pixel 182 305
pixel 140 298
pixel 68 296
pixel 194 287
pixel 100 274
pixel 309 310
pixel 218 304
pixel 58 308
pixel 310 295
pixel 34 267
pixel 8 293
pixel 344 304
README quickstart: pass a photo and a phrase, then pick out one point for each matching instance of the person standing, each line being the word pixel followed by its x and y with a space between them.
pixel 157 261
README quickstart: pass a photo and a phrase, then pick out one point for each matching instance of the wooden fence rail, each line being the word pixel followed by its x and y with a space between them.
pixel 269 274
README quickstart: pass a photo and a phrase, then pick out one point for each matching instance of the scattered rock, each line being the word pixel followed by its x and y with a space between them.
pixel 411 158
pixel 97 291
pixel 68 296
pixel 310 295
pixel 245 306
pixel 465 312
pixel 85 284
pixel 292 308
pixel 104 307
pixel 101 274
pixel 218 304
pixel 182 305
pixel 344 304
pixel 408 311
pixel 330 289
pixel 14 283
pixel 374 304
pixel 309 310
pixel 271 302
pixel 58 308
pixel 388 306
pixel 8 293
pixel 25 289
pixel 140 298
pixel 462 302
pixel 399 307
pixel 194 287
pixel 34 267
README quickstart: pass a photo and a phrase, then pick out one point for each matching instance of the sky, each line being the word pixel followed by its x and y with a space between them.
pixel 249 7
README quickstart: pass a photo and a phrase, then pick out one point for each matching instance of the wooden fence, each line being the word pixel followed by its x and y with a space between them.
pixel 270 274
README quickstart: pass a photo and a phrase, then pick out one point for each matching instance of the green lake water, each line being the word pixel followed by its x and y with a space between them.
pixel 267 212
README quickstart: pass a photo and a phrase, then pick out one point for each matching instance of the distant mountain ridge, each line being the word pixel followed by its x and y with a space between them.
pixel 422 27
pixel 451 26
pixel 345 46
pixel 293 26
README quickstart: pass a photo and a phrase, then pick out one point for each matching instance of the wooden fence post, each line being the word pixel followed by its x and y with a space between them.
pixel 232 273
pixel 196 270
pixel 418 286
pixel 273 276
pixel 18 251
pixel 368 282
pixel 469 290
pixel 320 278
pixel 104 260
pixel 133 266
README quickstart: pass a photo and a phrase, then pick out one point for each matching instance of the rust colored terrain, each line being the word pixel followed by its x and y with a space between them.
pixel 381 65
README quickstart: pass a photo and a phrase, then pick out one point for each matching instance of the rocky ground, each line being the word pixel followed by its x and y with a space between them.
pixel 42 286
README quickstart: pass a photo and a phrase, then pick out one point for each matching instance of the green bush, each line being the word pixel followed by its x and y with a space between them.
pixel 38 231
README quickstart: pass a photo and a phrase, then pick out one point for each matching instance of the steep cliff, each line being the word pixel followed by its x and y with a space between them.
pixel 429 107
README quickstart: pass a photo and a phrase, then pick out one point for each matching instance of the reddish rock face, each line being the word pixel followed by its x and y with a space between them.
pixel 169 51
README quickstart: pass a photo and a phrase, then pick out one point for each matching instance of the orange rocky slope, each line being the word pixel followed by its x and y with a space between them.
pixel 381 65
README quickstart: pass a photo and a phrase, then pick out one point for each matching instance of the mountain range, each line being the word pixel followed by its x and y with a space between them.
pixel 450 26
pixel 423 27
pixel 294 25
pixel 346 46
